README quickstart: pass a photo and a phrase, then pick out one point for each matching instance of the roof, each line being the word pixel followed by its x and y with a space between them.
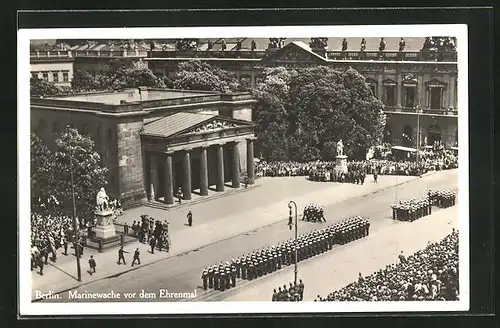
pixel 404 148
pixel 306 47
pixel 175 123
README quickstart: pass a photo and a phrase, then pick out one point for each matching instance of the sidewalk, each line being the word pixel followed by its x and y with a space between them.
pixel 60 276
pixel 336 269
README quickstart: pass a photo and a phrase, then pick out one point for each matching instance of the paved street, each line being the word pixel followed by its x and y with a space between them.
pixel 181 273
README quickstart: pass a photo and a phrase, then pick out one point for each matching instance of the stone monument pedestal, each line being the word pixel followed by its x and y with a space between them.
pixel 341 164
pixel 105 233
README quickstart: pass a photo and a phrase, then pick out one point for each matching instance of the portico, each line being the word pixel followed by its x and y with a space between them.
pixel 197 153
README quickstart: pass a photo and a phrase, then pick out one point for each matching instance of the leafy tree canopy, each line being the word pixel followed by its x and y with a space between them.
pixel 39 87
pixel 51 173
pixel 198 75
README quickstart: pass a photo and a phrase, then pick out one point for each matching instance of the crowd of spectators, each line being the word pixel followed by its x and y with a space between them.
pixel 430 274
pixel 428 161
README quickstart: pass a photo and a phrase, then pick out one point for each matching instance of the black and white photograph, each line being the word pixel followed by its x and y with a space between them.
pixel 243 169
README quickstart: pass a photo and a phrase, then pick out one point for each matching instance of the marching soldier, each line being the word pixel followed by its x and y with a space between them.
pixel 204 276
pixel 216 278
pixel 244 268
pixel 233 277
pixel 190 218
pixel 275 296
pixel 223 283
pixel 210 277
pixel 250 274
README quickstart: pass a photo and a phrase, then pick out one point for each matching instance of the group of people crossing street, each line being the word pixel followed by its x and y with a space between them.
pixel 264 261
pixel 313 213
pixel 294 293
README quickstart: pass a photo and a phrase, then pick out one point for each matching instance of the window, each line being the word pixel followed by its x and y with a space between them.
pixel 436 98
pixel 65 77
pixel 56 127
pixel 55 77
pixel 45 76
pixel 410 97
pixel 41 126
pixel 390 95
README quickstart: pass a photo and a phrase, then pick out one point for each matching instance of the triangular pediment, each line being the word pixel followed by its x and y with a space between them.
pixel 389 82
pixel 293 52
pixel 185 124
pixel 216 124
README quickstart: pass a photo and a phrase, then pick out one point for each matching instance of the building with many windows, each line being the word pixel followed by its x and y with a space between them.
pixel 418 86
pixel 155 141
pixel 52 64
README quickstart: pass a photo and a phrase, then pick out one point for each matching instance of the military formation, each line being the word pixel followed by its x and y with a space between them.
pixel 294 293
pixel 313 213
pixel 412 209
pixel 442 198
pixel 259 263
pixel 356 176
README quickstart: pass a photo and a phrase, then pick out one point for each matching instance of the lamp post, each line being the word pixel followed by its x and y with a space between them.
pixel 75 225
pixel 296 228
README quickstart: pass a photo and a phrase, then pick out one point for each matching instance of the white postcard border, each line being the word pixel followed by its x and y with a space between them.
pixel 27 307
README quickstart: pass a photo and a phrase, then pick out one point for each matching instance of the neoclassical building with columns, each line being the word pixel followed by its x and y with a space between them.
pixel 155 142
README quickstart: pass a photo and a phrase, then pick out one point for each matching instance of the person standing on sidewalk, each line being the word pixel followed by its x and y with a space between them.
pixel 92 264
pixel 179 195
pixel 152 243
pixel 136 257
pixel 65 244
pixel 190 218
pixel 120 256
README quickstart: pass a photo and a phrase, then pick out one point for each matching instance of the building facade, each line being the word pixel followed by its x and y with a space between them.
pixel 418 88
pixel 52 66
pixel 156 141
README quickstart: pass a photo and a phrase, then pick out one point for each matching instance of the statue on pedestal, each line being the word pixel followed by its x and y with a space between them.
pixel 340 148
pixel 102 200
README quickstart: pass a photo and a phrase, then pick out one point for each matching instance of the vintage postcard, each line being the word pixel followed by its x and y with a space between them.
pixel 243 170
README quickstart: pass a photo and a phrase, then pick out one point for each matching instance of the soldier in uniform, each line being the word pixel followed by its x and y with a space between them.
pixel 228 277
pixel 204 276
pixel 275 296
pixel 216 278
pixel 223 284
pixel 280 295
pixel 210 277
pixel 233 276
pixel 250 270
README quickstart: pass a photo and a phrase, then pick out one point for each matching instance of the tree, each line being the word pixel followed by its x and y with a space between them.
pixel 271 115
pixel 84 81
pixel 198 75
pixel 127 73
pixel 40 87
pixel 89 174
pixel 327 105
pixel 42 175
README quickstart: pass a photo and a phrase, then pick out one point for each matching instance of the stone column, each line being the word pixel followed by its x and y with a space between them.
pixel 169 182
pixel 399 88
pixel 235 166
pixel 153 167
pixel 203 172
pixel 250 164
pixel 186 172
pixel 220 167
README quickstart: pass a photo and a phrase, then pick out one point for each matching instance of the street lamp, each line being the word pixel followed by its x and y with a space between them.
pixel 75 225
pixel 296 228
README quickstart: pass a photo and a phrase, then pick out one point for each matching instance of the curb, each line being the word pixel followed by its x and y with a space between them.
pixel 203 199
pixel 217 241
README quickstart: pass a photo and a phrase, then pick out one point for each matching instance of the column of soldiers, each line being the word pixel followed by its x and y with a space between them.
pixel 313 213
pixel 294 293
pixel 412 209
pixel 442 198
pixel 262 262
